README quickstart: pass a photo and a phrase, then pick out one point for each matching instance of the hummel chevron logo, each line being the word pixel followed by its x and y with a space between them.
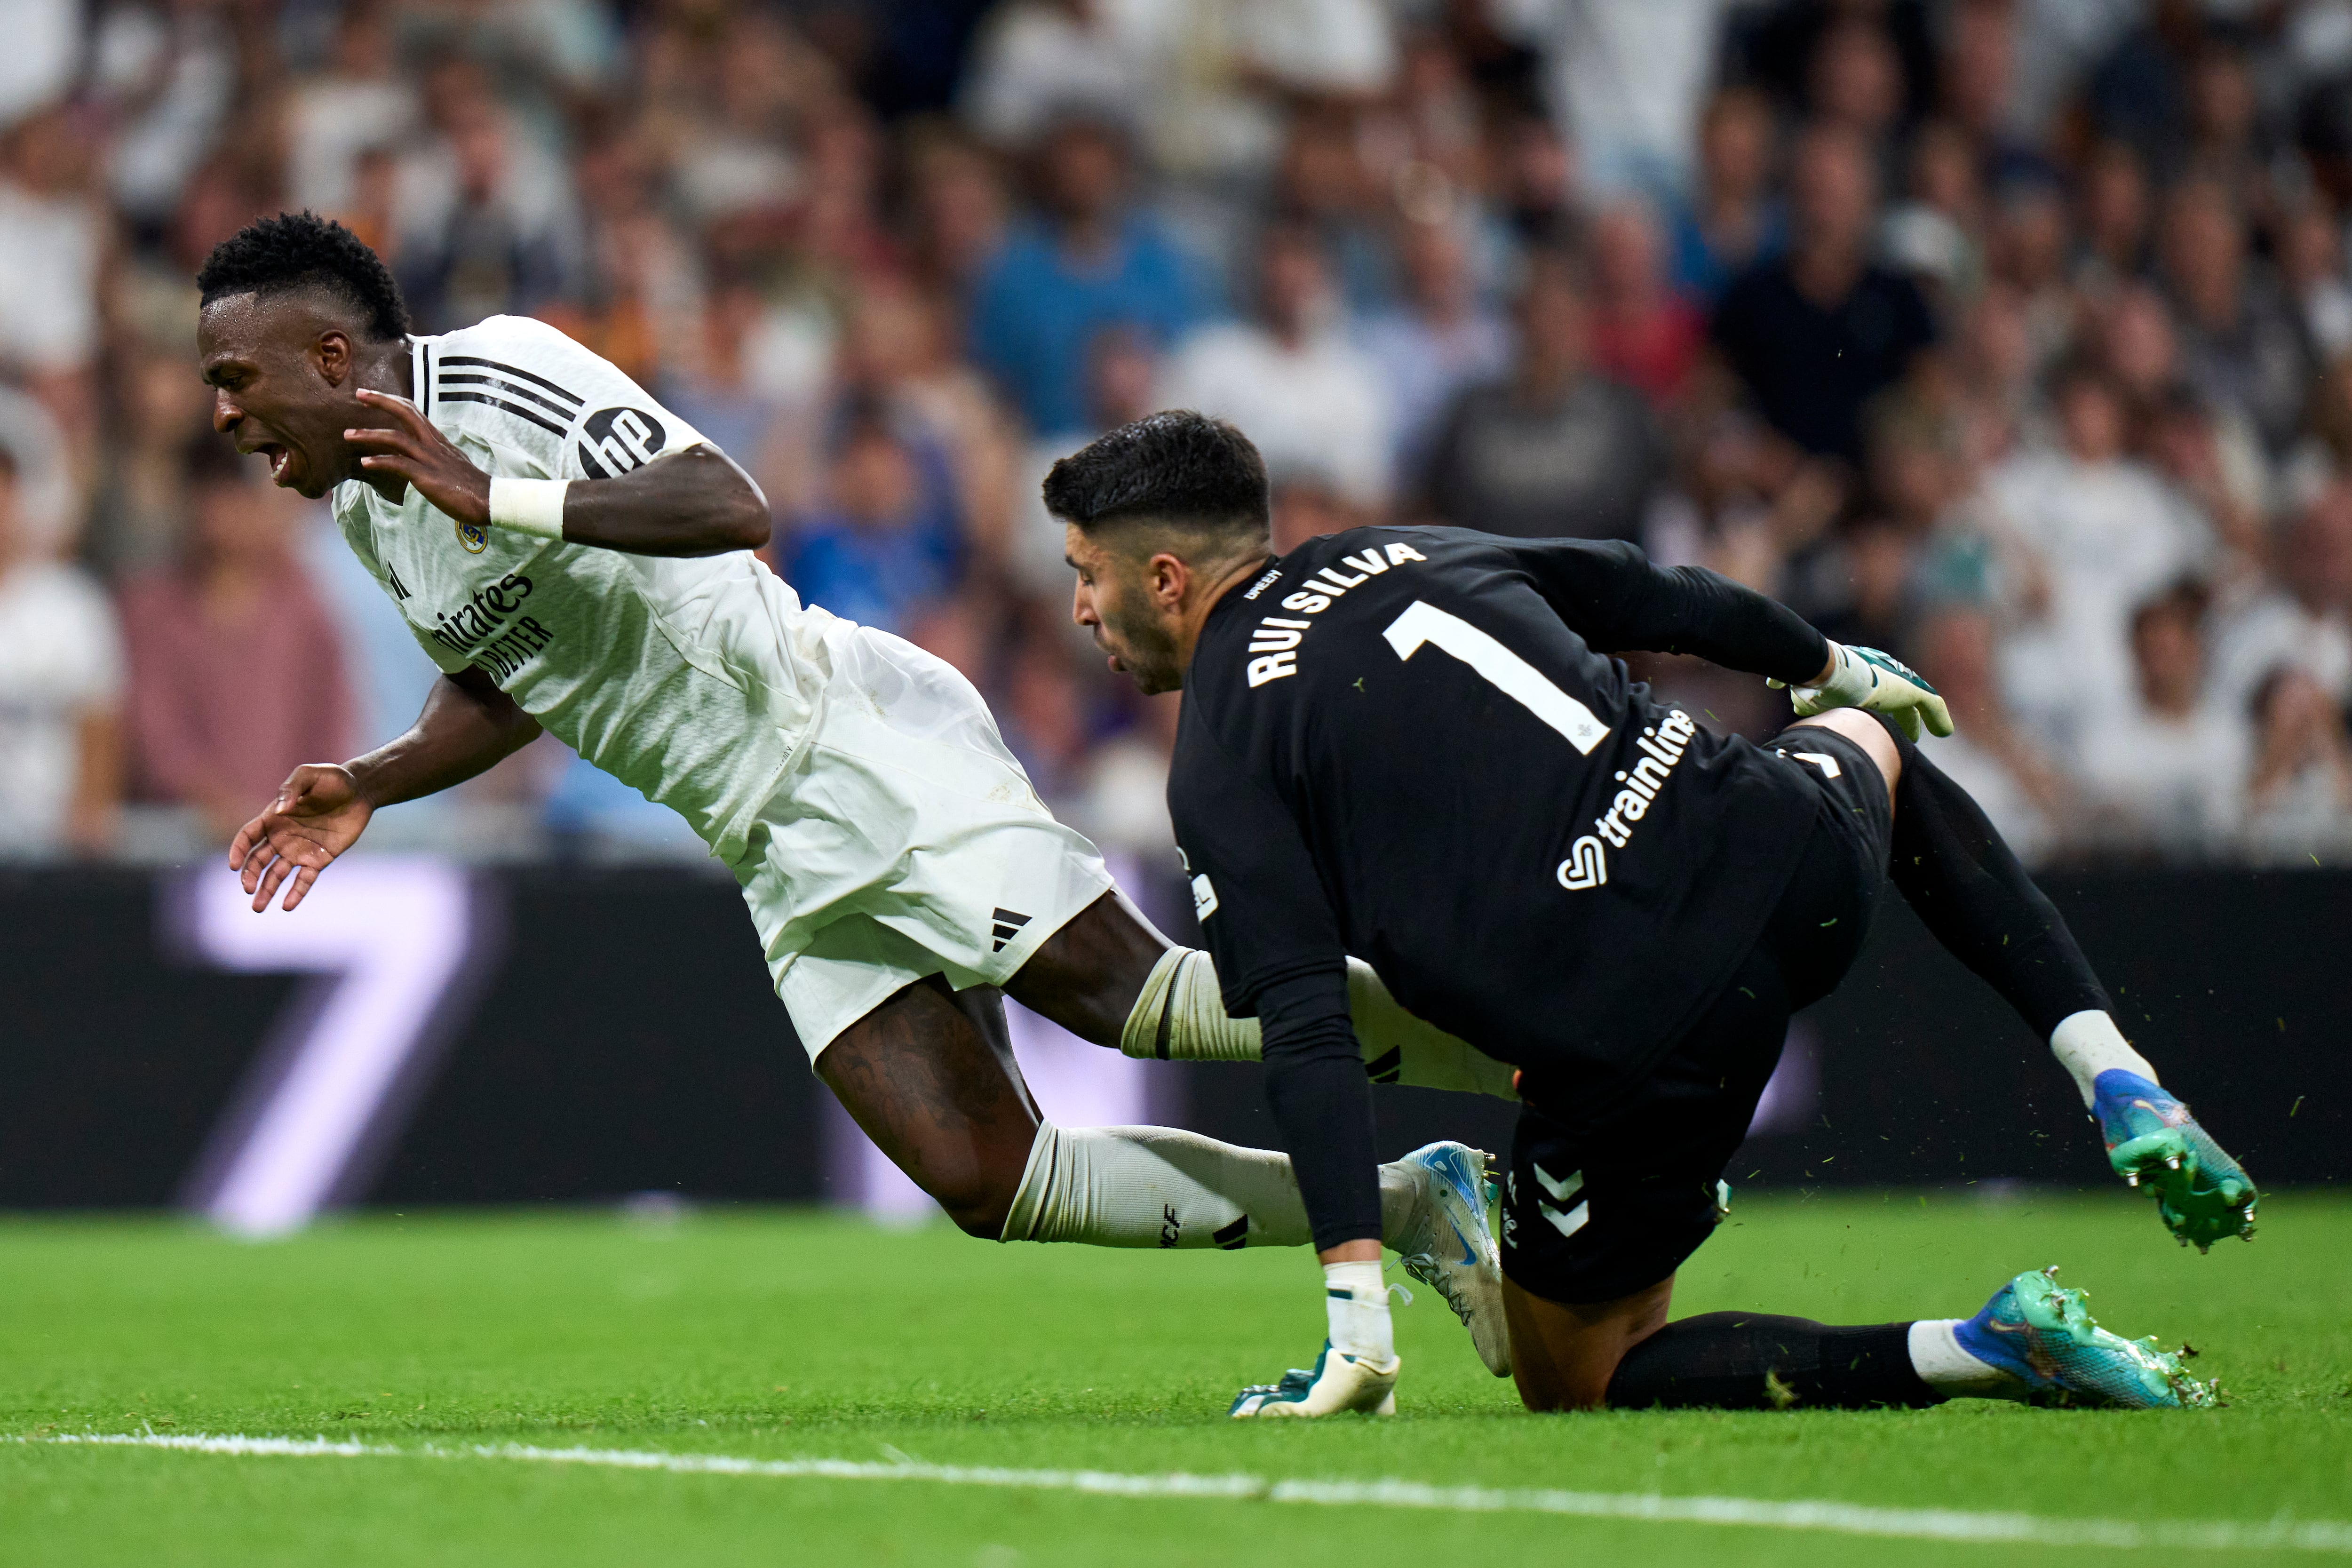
pixel 1565 1220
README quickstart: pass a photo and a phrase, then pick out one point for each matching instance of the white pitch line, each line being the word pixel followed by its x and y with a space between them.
pixel 2325 1535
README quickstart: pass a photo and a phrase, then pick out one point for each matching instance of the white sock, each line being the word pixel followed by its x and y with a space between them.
pixel 1943 1366
pixel 1179 1015
pixel 1162 1186
pixel 1356 1302
pixel 2088 1044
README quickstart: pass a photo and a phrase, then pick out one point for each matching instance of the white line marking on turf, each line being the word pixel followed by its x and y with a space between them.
pixel 1845 1518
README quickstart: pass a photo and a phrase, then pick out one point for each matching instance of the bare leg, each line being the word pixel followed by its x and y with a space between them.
pixel 1868 733
pixel 929 1075
pixel 1563 1355
pixel 1086 975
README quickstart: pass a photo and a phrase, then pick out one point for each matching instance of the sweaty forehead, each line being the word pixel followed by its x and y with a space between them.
pixel 229 329
pixel 254 323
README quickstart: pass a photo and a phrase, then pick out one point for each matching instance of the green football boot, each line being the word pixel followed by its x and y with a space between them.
pixel 2040 1333
pixel 2202 1194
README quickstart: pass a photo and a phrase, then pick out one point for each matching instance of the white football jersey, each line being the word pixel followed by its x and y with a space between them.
pixel 856 785
pixel 693 680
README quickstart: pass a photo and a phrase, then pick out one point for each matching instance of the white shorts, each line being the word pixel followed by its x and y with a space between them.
pixel 905 842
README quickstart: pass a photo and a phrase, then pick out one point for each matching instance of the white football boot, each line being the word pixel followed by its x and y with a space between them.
pixel 1446 1245
pixel 1338 1382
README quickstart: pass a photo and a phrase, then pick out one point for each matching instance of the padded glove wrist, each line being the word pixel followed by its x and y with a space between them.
pixel 1878 682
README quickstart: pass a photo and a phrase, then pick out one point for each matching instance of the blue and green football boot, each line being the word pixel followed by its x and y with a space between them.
pixel 2153 1142
pixel 2040 1333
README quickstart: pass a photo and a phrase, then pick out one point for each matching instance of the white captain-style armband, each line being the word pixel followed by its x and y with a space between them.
pixel 528 506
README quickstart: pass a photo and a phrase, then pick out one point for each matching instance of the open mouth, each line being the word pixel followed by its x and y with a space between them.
pixel 277 457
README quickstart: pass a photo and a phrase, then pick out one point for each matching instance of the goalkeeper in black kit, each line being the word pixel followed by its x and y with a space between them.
pixel 1414 746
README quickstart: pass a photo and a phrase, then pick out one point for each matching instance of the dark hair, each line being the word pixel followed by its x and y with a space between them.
pixel 2078 371
pixel 2187 599
pixel 1179 467
pixel 294 250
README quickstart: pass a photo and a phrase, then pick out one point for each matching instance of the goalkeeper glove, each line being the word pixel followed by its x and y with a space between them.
pixel 1866 678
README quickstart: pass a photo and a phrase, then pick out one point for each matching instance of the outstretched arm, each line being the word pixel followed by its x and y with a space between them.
pixel 468 726
pixel 690 503
pixel 1616 599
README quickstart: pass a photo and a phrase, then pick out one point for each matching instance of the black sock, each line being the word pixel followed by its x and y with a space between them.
pixel 1970 892
pixel 1753 1360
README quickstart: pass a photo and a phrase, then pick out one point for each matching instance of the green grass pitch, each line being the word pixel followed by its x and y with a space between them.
pixel 782 1335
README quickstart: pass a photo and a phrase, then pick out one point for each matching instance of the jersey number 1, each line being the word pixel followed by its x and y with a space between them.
pixel 1505 671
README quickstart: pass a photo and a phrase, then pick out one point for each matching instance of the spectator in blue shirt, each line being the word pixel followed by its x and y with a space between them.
pixel 887 538
pixel 1733 220
pixel 1091 263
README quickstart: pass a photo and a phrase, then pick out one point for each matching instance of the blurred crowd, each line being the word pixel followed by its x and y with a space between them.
pixel 2011 336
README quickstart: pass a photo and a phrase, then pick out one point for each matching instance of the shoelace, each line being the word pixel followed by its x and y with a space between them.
pixel 1425 1267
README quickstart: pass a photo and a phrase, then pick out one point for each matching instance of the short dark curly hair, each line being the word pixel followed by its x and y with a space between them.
pixel 295 249
pixel 1178 467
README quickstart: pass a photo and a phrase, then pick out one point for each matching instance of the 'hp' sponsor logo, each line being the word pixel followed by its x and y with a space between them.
pixel 615 440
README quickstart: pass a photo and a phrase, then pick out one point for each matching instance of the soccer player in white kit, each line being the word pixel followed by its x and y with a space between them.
pixel 576 559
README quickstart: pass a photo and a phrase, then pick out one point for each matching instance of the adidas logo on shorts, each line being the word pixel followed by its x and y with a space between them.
pixel 1008 926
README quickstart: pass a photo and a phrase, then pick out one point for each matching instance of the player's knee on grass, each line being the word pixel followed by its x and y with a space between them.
pixel 1564 1354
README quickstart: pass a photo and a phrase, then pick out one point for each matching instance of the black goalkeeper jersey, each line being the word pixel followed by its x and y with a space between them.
pixel 1411 745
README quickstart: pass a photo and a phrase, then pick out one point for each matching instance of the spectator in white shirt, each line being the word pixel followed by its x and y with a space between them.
pixel 2305 618
pixel 1627 80
pixel 169 71
pixel 360 102
pixel 61 698
pixel 2169 764
pixel 2299 794
pixel 51 241
pixel 1312 400
pixel 2108 536
pixel 1037 61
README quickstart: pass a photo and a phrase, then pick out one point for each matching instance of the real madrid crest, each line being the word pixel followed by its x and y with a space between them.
pixel 473 537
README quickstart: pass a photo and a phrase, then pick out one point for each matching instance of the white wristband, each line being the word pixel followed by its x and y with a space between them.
pixel 528 506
